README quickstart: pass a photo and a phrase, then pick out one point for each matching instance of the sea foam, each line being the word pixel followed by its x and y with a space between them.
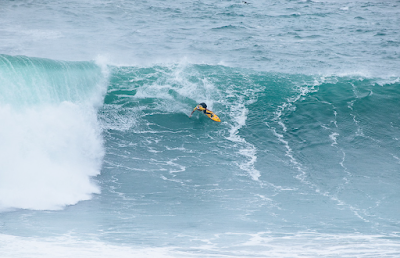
pixel 51 144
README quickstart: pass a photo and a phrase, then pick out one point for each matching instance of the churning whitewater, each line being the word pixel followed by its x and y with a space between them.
pixel 99 158
pixel 50 134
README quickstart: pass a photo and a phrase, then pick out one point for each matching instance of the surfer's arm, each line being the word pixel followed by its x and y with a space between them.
pixel 193 111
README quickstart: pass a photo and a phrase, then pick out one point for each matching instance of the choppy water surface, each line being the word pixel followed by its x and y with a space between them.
pixel 100 159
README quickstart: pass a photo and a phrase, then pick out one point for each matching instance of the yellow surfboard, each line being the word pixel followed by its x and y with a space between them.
pixel 210 114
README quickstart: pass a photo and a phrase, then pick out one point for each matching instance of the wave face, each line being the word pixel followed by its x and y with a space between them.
pixel 293 153
pixel 50 138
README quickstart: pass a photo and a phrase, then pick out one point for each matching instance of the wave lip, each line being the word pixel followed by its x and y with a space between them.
pixel 51 140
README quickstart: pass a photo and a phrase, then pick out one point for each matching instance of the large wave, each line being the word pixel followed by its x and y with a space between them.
pixel 257 105
pixel 329 136
pixel 50 139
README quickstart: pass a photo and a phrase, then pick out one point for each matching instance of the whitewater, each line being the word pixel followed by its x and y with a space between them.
pixel 99 158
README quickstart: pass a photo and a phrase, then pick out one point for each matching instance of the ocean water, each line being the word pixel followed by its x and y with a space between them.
pixel 99 158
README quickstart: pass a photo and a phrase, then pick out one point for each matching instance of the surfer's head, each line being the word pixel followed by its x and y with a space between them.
pixel 203 105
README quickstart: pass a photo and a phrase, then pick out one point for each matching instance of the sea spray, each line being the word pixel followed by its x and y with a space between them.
pixel 51 144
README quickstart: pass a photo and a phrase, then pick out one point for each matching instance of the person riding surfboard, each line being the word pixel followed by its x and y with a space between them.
pixel 203 107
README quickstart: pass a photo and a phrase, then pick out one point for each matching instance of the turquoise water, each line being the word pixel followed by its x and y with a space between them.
pixel 100 158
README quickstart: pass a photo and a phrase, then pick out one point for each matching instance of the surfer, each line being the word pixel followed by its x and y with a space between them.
pixel 201 107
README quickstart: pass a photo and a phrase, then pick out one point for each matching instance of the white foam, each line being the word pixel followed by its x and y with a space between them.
pixel 239 114
pixel 66 247
pixel 333 137
pixel 312 244
pixel 48 156
pixel 396 158
pixel 261 244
